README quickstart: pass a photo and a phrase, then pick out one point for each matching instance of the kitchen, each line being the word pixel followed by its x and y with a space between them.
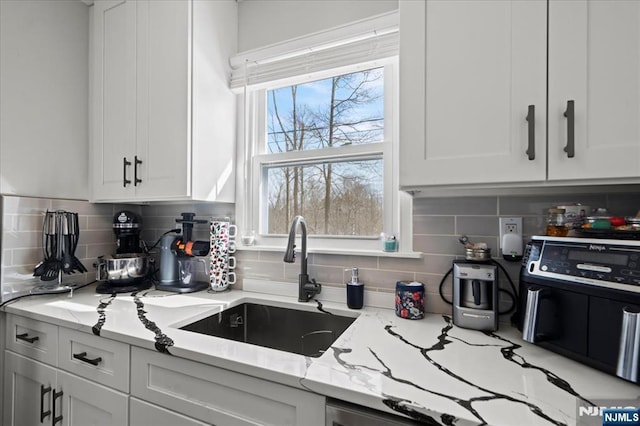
pixel 437 221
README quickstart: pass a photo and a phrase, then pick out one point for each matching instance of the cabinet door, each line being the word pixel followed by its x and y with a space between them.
pixel 84 403
pixel 163 96
pixel 469 71
pixel 219 396
pixel 144 414
pixel 28 386
pixel 114 94
pixel 594 60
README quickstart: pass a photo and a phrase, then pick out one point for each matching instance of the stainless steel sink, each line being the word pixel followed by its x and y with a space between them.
pixel 290 330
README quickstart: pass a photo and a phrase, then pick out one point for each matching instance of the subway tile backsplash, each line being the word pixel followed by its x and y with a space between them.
pixel 437 224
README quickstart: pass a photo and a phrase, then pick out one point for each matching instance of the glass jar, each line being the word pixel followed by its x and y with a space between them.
pixel 557 223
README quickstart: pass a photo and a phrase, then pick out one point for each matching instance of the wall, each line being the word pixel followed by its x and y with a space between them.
pixel 437 224
pixel 262 23
pixel 44 95
pixel 22 220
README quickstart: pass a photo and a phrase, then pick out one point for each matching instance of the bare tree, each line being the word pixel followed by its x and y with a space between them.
pixel 339 122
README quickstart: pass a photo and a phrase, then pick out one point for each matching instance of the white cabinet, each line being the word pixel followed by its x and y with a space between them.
pixel 44 97
pixel 219 396
pixel 471 70
pixel 144 414
pixel 28 386
pixel 594 60
pixel 163 114
pixel 37 390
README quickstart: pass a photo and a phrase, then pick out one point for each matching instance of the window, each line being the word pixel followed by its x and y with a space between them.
pixel 320 140
pixel 336 192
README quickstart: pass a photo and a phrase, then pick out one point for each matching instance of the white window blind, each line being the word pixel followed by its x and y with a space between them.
pixel 361 42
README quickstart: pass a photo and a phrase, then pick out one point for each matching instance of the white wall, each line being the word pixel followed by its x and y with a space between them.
pixel 265 22
pixel 44 60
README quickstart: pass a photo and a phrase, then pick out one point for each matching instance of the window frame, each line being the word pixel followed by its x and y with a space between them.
pixel 252 156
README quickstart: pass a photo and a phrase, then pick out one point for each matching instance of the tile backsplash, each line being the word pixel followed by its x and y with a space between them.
pixel 22 221
pixel 437 224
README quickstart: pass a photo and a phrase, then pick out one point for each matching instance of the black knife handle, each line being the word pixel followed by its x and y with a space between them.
pixel 82 356
pixel 26 338
pixel 43 392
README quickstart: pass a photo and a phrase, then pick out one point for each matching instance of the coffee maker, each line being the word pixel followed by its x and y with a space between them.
pixel 128 269
pixel 180 258
pixel 475 295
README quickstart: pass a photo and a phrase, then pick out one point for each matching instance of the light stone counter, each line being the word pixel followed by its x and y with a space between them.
pixel 426 369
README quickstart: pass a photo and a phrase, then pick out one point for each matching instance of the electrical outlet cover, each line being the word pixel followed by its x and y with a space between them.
pixel 511 236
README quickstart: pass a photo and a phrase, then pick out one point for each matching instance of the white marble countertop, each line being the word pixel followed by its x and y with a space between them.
pixel 427 369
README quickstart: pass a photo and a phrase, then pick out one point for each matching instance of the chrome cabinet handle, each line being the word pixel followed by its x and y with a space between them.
pixel 530 320
pixel 531 119
pixel 628 365
pixel 125 163
pixel 136 161
pixel 570 149
pixel 82 356
pixel 43 392
pixel 26 338
pixel 57 419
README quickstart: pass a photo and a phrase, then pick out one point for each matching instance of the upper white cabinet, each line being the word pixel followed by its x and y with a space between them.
pixel 163 114
pixel 474 92
pixel 44 98
pixel 469 71
pixel 594 61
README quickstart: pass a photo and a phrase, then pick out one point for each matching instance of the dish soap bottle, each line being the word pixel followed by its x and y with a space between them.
pixel 355 291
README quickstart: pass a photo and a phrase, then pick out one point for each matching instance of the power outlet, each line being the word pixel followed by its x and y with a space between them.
pixel 511 234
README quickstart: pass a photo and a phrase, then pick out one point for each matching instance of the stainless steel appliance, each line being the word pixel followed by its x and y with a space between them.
pixel 475 295
pixel 580 298
pixel 340 413
pixel 129 268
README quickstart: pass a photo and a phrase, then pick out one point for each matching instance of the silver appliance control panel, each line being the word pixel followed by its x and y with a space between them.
pixel 599 262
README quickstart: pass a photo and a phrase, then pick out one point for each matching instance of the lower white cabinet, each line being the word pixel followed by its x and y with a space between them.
pixel 219 396
pixel 28 386
pixel 142 413
pixel 61 377
pixel 39 394
pixel 37 390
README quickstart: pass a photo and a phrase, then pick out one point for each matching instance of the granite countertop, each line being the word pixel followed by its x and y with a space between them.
pixel 428 369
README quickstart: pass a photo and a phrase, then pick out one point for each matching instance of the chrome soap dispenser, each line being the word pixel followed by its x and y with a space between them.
pixel 355 291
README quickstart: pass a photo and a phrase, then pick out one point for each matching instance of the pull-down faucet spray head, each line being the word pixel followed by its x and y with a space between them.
pixel 306 289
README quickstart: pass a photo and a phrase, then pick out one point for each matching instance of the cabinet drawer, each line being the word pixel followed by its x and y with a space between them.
pixel 219 396
pixel 101 360
pixel 144 414
pixel 32 338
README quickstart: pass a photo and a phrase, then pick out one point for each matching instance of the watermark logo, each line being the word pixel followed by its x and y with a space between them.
pixel 621 416
pixel 608 412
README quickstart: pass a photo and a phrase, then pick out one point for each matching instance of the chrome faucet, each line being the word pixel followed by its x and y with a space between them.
pixel 306 289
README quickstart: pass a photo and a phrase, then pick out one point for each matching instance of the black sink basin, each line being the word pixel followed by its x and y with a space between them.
pixel 290 330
